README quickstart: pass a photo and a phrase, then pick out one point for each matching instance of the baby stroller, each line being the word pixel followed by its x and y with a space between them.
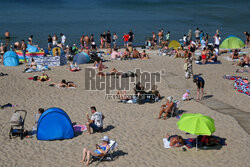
pixel 17 123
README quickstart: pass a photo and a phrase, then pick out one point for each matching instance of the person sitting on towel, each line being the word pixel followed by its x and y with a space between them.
pixel 167 108
pixel 101 149
pixel 96 120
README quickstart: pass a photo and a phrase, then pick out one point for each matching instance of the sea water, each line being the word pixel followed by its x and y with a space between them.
pixel 75 18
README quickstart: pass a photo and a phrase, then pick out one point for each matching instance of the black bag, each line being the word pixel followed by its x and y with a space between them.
pixel 35 78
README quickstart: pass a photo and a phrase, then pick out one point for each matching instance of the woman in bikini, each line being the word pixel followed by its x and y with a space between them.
pixel 100 151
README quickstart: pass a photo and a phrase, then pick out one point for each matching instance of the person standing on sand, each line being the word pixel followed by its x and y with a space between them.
pixel 115 37
pixel 197 35
pixel 189 37
pixel 96 120
pixel 86 41
pixel 131 37
pixel 104 39
pixel 168 36
pixel 108 39
pixel 82 42
pixel 49 42
pixel 217 42
pixel 24 47
pixel 247 38
pixel 54 40
pixel 125 38
pixel 92 38
pixel 160 36
pixel 63 39
pixel 200 82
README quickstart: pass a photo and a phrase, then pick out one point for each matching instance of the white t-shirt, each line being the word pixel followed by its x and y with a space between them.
pixel 197 33
pixel 97 118
pixel 63 39
pixel 184 38
pixel 217 40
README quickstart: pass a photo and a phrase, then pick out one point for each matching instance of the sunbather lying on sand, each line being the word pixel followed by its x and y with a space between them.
pixel 101 150
pixel 112 72
pixel 64 84
pixel 175 140
pixel 74 67
pixel 32 65
pixel 43 78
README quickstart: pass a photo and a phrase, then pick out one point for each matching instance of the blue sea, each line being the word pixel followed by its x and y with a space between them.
pixel 82 17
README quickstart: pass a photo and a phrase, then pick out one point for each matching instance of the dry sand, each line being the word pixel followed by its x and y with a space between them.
pixel 135 127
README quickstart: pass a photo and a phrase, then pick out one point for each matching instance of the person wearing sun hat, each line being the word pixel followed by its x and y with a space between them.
pixel 101 150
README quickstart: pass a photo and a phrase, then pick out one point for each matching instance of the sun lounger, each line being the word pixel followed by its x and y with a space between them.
pixel 108 156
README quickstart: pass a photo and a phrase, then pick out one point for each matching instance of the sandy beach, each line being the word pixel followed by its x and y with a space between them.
pixel 135 127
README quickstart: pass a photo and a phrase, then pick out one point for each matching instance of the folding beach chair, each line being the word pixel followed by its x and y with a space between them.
pixel 108 156
pixel 175 107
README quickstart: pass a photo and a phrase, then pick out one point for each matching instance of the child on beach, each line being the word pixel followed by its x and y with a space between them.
pixel 186 96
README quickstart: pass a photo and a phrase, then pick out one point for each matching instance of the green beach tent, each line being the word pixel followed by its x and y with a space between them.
pixel 232 42
pixel 174 44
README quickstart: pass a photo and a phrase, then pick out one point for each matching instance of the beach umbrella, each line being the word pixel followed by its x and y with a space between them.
pixel 196 124
pixel 174 44
pixel 232 42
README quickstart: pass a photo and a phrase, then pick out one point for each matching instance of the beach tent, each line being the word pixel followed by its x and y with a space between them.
pixel 174 44
pixel 55 49
pixel 10 58
pixel 232 42
pixel 32 49
pixel 81 58
pixel 54 124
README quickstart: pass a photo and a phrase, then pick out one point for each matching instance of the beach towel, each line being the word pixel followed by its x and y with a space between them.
pixel 242 86
pixel 40 68
pixel 79 128
pixel 199 63
pixel 166 143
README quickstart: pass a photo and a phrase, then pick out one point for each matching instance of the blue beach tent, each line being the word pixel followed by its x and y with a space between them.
pixel 32 49
pixel 54 124
pixel 10 58
pixel 81 58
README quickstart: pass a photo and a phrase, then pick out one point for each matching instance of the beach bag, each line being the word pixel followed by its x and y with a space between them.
pixel 16 119
pixel 35 78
